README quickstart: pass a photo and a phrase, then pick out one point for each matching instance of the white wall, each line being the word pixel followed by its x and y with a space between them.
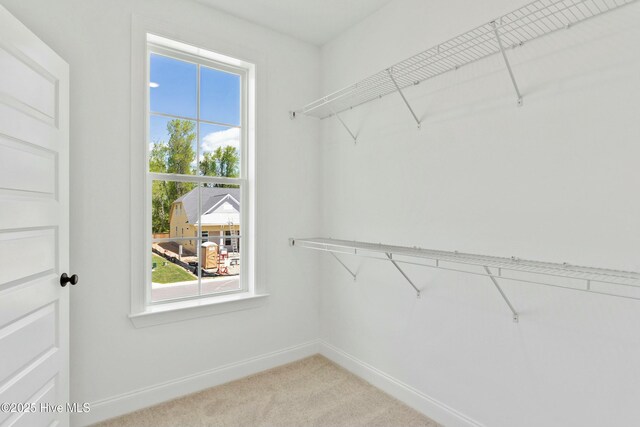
pixel 553 180
pixel 109 357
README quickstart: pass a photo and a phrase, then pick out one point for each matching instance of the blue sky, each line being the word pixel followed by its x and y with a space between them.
pixel 173 90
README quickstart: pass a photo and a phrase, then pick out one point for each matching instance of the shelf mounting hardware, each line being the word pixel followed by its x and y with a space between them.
pixel 515 316
pixel 617 283
pixel 355 137
pixel 515 28
pixel 390 256
pixel 395 83
pixel 345 267
pixel 506 61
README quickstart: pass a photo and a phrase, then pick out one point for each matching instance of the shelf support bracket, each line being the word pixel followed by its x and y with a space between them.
pixel 506 61
pixel 345 267
pixel 355 137
pixel 403 97
pixel 515 317
pixel 403 273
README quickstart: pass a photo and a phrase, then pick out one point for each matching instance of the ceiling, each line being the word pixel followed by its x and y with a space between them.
pixel 313 21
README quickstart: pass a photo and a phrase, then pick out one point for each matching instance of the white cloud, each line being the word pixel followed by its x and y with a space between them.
pixel 223 138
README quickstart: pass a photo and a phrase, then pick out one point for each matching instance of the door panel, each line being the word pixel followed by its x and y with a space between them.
pixel 39 372
pixel 26 83
pixel 27 254
pixel 46 393
pixel 28 168
pixel 34 226
pixel 26 339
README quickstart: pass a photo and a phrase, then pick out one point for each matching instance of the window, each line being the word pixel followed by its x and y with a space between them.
pixel 197 172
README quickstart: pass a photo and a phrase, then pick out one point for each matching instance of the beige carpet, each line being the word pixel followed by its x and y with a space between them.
pixel 309 392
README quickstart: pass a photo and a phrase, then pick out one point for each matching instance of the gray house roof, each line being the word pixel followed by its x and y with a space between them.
pixel 211 196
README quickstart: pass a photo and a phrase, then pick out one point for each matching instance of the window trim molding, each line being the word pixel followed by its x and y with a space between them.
pixel 184 310
pixel 207 305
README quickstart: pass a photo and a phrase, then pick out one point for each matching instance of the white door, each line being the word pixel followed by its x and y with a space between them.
pixel 34 229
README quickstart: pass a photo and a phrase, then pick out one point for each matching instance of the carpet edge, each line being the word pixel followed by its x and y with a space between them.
pixel 131 401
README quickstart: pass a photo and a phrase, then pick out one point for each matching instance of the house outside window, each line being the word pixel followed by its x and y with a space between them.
pixel 197 169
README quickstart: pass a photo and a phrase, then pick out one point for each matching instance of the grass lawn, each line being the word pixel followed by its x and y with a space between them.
pixel 169 273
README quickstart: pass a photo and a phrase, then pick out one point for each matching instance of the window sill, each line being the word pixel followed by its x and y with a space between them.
pixel 185 310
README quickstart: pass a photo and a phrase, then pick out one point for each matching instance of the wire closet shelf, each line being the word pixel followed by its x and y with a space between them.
pixel 618 283
pixel 522 25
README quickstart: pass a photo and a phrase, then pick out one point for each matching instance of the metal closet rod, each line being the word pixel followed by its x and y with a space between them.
pixel 532 21
pixel 595 280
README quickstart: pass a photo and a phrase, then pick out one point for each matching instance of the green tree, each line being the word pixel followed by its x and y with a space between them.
pixel 224 161
pixel 180 156
pixel 174 156
pixel 209 165
pixel 160 206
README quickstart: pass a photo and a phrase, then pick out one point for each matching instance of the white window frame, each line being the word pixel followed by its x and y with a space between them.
pixel 167 48
pixel 143 313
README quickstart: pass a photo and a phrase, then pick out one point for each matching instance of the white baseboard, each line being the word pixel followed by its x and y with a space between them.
pixel 152 395
pixel 427 405
pixel 132 401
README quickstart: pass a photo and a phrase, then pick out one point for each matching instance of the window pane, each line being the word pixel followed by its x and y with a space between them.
pixel 195 227
pixel 220 211
pixel 172 86
pixel 173 264
pixel 220 222
pixel 219 96
pixel 174 207
pixel 172 145
pixel 226 275
pixel 219 151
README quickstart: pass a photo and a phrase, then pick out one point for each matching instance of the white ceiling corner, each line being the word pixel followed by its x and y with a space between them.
pixel 313 21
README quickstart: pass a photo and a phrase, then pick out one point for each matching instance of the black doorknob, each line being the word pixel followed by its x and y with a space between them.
pixel 64 279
